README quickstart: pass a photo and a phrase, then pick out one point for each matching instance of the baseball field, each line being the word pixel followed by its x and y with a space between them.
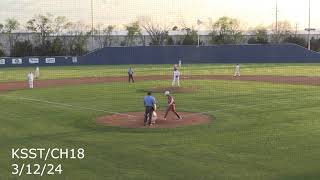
pixel 263 125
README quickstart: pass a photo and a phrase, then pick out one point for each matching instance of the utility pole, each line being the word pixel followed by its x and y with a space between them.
pixel 309 29
pixel 277 24
pixel 199 23
pixel 92 28
pixel 277 17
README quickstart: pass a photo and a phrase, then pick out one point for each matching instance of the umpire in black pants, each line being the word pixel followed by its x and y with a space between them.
pixel 130 74
pixel 149 103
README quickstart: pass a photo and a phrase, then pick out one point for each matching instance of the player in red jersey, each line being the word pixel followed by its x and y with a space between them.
pixel 171 106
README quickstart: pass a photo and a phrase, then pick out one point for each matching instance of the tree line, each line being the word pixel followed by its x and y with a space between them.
pixel 57 36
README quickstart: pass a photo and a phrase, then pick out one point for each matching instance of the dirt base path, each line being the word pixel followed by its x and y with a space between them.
pixel 298 80
pixel 295 80
pixel 136 120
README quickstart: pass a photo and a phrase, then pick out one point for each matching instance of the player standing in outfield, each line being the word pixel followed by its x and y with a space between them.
pixel 130 74
pixel 180 63
pixel 30 80
pixel 149 104
pixel 37 73
pixel 171 106
pixel 176 78
pixel 237 71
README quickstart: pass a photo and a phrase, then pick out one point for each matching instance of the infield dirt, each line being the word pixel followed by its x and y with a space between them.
pixel 136 120
pixel 296 80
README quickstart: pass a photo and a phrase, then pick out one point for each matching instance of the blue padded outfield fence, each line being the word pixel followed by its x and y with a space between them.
pixel 38 61
pixel 284 53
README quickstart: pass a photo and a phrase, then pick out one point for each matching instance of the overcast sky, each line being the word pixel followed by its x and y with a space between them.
pixel 250 12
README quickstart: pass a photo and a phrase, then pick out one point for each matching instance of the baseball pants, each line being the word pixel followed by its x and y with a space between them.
pixel 173 109
pixel 237 73
pixel 176 82
pixel 30 83
pixel 148 115
pixel 131 78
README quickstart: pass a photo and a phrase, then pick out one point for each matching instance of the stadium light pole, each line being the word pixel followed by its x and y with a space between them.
pixel 309 29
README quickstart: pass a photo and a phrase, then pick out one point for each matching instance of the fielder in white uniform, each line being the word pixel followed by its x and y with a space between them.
pixel 37 73
pixel 180 63
pixel 176 78
pixel 237 71
pixel 30 80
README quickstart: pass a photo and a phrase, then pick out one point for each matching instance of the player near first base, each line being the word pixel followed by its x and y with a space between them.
pixel 171 106
pixel 237 71
pixel 30 80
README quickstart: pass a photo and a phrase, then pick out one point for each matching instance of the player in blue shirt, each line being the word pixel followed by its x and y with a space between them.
pixel 149 104
pixel 130 74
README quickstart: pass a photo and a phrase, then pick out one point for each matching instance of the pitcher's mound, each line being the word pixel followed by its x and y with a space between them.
pixel 136 120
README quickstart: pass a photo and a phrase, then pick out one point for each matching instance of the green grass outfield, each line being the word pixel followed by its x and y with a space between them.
pixel 261 131
pixel 14 74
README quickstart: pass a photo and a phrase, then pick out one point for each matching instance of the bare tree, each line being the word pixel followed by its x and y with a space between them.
pixel 158 33
pixel 260 36
pixel 133 31
pixel 190 37
pixel 225 30
pixel 108 35
pixel 1 28
pixel 42 24
pixel 11 25
pixel 60 25
pixel 97 32
pixel 79 34
pixel 189 34
pixel 283 31
pixel 1 51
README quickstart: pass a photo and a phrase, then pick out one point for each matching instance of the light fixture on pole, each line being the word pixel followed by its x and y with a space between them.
pixel 309 29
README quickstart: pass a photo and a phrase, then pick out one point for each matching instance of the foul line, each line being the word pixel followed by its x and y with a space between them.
pixel 66 105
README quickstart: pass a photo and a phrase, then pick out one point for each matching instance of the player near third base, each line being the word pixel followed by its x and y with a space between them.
pixel 176 78
pixel 30 80
pixel 171 106
pixel 237 71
